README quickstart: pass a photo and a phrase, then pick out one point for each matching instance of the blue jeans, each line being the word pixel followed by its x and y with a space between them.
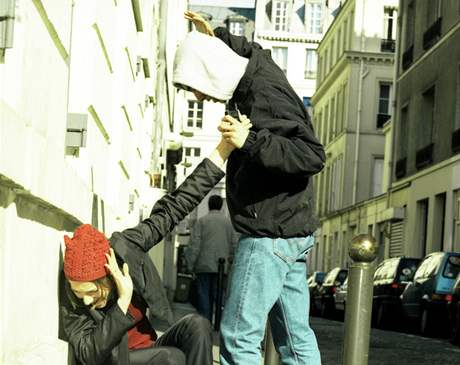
pixel 268 280
pixel 206 288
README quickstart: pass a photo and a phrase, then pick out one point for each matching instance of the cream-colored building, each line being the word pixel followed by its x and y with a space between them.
pixel 292 31
pixel 426 181
pixel 351 106
pixel 84 100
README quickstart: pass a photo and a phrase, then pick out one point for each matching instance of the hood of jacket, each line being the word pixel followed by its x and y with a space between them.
pixel 207 64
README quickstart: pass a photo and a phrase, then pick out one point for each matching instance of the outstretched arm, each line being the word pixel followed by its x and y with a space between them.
pixel 173 207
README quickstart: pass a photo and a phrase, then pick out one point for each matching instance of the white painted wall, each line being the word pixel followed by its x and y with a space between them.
pixel 39 85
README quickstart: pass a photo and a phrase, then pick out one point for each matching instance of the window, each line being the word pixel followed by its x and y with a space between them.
pixel 279 55
pixel 280 15
pixel 340 110
pixel 457 112
pixel 389 23
pixel 195 114
pixel 433 11
pixel 384 104
pixel 426 129
pixel 311 62
pixel 422 224
pixel 377 176
pixel 339 43
pixel 307 104
pixel 192 151
pixel 333 52
pixel 456 218
pixel 384 98
pixel 410 25
pixel 439 221
pixel 335 183
pixel 314 15
pixel 345 34
pixel 332 119
pixel 236 27
pixel 402 145
pixel 452 268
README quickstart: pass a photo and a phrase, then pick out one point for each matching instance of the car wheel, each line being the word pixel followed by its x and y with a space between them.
pixel 324 310
pixel 455 337
pixel 381 316
pixel 425 323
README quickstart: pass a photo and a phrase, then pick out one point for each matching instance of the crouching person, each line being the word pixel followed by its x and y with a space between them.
pixel 113 291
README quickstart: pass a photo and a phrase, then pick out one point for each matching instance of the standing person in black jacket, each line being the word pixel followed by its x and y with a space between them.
pixel 112 291
pixel 269 191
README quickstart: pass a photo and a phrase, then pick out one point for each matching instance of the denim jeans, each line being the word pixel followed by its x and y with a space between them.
pixel 268 280
pixel 206 288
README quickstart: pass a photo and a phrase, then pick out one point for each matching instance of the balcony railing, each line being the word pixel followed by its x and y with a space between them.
pixel 400 170
pixel 456 141
pixel 387 45
pixel 432 34
pixel 424 156
pixel 408 58
pixel 382 119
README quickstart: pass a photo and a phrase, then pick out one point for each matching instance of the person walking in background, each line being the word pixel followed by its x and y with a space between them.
pixel 269 192
pixel 213 237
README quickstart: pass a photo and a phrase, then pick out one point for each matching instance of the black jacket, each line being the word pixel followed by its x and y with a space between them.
pixel 99 337
pixel 269 191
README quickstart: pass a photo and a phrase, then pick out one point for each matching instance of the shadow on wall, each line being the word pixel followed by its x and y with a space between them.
pixel 31 207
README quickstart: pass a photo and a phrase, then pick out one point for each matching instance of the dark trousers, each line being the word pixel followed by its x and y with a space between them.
pixel 187 342
pixel 206 290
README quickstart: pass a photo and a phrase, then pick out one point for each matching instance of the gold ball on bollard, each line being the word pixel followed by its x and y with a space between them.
pixel 363 248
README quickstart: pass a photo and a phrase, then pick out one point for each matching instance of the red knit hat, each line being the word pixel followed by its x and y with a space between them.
pixel 85 254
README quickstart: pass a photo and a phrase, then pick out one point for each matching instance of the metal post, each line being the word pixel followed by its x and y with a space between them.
pixel 271 357
pixel 220 293
pixel 363 251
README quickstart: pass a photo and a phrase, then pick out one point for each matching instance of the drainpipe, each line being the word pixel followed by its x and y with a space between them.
pixel 160 85
pixel 69 62
pixel 362 75
pixel 394 109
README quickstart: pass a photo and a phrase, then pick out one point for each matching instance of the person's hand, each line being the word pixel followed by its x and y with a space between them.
pixel 235 131
pixel 122 280
pixel 200 23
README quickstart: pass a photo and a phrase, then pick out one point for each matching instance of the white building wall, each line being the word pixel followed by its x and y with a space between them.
pixel 57 66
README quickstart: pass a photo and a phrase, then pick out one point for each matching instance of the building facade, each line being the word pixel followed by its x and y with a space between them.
pixel 81 100
pixel 292 31
pixel 426 179
pixel 351 106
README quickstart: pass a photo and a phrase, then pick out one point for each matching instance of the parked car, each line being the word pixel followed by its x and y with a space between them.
pixel 425 298
pixel 390 279
pixel 454 312
pixel 314 282
pixel 340 298
pixel 323 301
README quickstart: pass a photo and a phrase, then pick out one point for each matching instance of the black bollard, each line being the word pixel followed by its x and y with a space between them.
pixel 220 293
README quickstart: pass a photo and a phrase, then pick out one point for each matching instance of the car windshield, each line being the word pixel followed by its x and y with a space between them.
pixel 330 277
pixel 452 267
pixel 320 277
pixel 342 276
pixel 386 270
pixel 429 267
pixel 407 270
